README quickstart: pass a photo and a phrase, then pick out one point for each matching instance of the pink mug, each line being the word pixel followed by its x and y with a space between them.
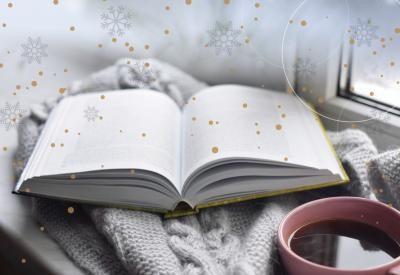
pixel 361 210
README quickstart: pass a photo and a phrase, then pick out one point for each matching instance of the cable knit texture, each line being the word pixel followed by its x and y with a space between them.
pixel 232 239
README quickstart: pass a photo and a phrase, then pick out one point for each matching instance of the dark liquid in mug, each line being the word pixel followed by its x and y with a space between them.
pixel 344 244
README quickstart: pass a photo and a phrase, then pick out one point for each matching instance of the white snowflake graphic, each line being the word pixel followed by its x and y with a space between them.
pixel 116 21
pixel 224 38
pixel 379 119
pixel 305 67
pixel 91 114
pixel 11 115
pixel 34 50
pixel 141 74
pixel 364 32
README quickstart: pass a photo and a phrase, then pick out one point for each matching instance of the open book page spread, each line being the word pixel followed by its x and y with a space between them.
pixel 138 148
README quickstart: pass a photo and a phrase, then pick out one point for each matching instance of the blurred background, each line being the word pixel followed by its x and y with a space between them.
pixel 310 47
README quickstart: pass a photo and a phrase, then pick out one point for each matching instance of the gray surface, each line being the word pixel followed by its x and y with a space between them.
pixel 18 224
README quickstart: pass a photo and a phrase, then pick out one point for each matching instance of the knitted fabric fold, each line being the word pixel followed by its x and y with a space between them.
pixel 232 239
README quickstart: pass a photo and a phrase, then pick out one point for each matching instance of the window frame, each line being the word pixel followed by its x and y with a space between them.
pixel 355 107
pixel 345 92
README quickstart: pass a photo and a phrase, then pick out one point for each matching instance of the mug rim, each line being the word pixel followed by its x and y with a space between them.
pixel 286 247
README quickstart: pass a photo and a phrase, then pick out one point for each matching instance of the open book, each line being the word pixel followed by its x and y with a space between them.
pixel 138 149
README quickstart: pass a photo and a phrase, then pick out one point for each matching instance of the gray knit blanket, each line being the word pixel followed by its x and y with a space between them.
pixel 233 239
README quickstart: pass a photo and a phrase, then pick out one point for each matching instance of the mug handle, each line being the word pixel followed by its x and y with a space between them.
pixel 394 270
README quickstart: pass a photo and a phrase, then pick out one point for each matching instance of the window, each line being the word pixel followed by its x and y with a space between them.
pixel 370 66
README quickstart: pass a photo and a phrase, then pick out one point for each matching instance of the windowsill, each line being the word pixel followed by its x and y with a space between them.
pixel 385 133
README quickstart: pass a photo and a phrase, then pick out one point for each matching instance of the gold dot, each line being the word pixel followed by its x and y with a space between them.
pixel 147 64
pixel 61 90
pixel 352 41
pixel 244 105
pixel 147 46
pixel 5 148
pixel 27 190
pixel 210 122
pixel 258 132
pixel 285 158
pixel 62 144
pixel 34 83
pixel 72 176
pixel 72 28
pixel 143 134
pixel 371 93
pixel 23 261
pixel 65 70
pixel 131 49
pixel 345 66
pixel 41 228
pixel 1 65
pixel 303 23
pixel 53 145
pixel 392 63
pixel 214 149
pixel 166 32
pixel 397 30
pixel 126 44
pixel 194 118
pixel 290 21
pixel 167 8
pixel 55 2
pixel 100 45
pixel 227 2
pixel 188 2
pixel 10 5
pixel 102 96
pixel 278 127
pixel 114 39
pixel 321 99
pixel 257 5
pixel 70 210
pixel 283 115
pixel 247 40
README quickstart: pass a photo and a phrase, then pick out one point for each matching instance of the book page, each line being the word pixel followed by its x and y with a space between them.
pixel 231 121
pixel 136 129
